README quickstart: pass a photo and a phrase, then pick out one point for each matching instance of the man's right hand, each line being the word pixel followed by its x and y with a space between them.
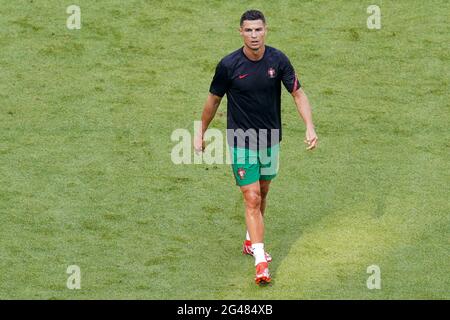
pixel 199 144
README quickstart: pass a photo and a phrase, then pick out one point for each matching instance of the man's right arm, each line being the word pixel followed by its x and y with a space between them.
pixel 209 111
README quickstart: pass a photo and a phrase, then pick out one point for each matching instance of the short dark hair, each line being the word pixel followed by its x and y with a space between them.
pixel 253 15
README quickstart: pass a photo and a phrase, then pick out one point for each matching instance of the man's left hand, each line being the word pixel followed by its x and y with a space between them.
pixel 311 138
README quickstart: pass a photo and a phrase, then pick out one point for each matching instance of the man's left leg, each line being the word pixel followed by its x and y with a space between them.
pixel 264 188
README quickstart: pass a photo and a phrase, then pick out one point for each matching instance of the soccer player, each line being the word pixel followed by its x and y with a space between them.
pixel 251 78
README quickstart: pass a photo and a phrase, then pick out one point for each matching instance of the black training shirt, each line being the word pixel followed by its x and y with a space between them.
pixel 253 90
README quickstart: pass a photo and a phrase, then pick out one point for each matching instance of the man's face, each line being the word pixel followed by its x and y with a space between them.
pixel 253 32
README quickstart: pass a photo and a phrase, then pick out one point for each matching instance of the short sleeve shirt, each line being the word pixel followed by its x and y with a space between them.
pixel 253 90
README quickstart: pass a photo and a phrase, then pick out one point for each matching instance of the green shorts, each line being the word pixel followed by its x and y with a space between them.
pixel 250 166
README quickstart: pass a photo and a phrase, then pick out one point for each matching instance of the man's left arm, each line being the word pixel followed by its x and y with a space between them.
pixel 304 109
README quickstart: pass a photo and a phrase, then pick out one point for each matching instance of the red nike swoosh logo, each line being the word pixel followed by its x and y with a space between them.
pixel 242 76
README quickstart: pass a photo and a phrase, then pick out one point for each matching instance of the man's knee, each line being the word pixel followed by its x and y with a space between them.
pixel 252 199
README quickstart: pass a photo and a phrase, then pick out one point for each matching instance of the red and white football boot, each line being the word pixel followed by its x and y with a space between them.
pixel 262 273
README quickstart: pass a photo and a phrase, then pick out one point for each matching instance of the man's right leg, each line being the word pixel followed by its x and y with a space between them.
pixel 255 227
pixel 264 190
pixel 246 171
pixel 253 216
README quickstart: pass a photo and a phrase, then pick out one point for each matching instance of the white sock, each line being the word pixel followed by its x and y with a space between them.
pixel 258 252
pixel 247 236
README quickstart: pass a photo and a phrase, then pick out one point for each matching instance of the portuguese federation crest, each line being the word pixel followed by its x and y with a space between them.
pixel 241 173
pixel 271 72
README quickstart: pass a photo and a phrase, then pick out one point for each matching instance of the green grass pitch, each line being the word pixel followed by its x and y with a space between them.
pixel 86 177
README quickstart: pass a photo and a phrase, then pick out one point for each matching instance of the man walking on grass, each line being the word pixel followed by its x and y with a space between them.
pixel 251 77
